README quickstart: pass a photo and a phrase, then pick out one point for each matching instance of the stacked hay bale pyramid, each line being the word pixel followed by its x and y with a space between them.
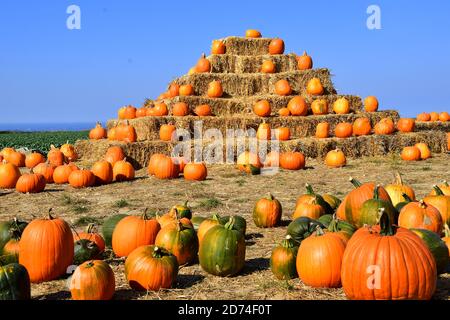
pixel 243 83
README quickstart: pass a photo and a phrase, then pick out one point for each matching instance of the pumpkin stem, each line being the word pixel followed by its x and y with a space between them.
pixel 89 264
pixel 269 196
pixel 229 225
pixel 406 197
pixel 333 226
pixel 144 215
pixel 445 183
pixel 376 192
pixel 387 229
pixel 319 231
pixel 355 182
pixel 215 217
pixel 50 217
pixel 288 242
pixel 422 203
pixel 438 190
pixel 186 203
pixel 309 189
pixel 157 253
pixel 90 228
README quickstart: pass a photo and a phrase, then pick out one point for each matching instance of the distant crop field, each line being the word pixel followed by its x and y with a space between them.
pixel 39 141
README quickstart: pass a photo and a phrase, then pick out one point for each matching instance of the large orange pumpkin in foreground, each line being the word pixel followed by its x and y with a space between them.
pixel 46 249
pixel 92 280
pixel 388 263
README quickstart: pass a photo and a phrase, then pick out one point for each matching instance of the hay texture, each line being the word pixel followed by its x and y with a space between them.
pixel 147 128
pixel 435 125
pixel 247 46
pixel 246 84
pixel 355 147
pixel 230 63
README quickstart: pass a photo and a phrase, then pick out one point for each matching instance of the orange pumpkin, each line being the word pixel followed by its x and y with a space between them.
pixel 406 124
pixel 268 67
pixel 411 154
pixel 308 208
pixel 384 126
pixel 165 168
pixel 425 152
pixel 180 109
pixel 33 159
pixel 362 127
pixel 267 212
pixel 298 106
pixel 445 188
pixel 304 62
pixel 203 110
pixel 283 88
pixel 126 133
pixel 46 249
pixel 186 90
pixel 114 154
pixel 47 170
pixel 207 224
pixel 252 33
pixel 91 234
pixel 444 116
pixel 343 130
pixel 61 174
pixel 341 106
pixel 81 178
pixel 420 216
pixel 203 65
pixel 441 202
pixel 215 89
pixel 181 162
pixel 263 132
pixel 141 112
pixel 154 160
pixel 322 130
pixel 434 116
pixel 276 46
pixel 92 280
pixel 282 133
pixel 127 112
pixel 195 171
pixel 314 87
pixel 31 183
pixel 218 47
pixel 371 104
pixel 174 90
pixel 292 160
pixel 272 159
pixel 103 172
pixel 112 133
pixel 98 132
pixel 262 108
pixel 132 232
pixel 123 171
pixel 69 152
pixel 167 132
pixel 319 107
pixel 17 158
pixel 284 112
pixel 6 152
pixel 248 161
pixel 423 117
pixel 335 159
pixel 160 109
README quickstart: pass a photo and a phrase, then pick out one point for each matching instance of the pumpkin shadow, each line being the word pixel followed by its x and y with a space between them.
pixel 284 223
pixel 60 295
pixel 128 294
pixel 185 281
pixel 6 193
pixel 256 264
pixel 249 238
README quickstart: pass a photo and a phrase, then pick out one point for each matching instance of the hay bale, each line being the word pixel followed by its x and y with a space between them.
pixel 147 128
pixel 244 105
pixel 246 84
pixel 229 63
pixel 435 125
pixel 247 46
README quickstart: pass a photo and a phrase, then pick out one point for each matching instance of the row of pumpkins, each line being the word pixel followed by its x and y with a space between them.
pixel 330 243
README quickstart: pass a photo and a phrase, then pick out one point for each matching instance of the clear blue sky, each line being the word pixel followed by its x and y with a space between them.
pixel 129 50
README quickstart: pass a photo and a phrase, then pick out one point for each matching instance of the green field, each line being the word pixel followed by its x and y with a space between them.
pixel 39 141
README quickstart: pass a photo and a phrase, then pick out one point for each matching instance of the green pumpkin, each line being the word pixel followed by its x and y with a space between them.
pixel 333 201
pixel 85 250
pixel 239 224
pixel 437 247
pixel 7 228
pixel 301 228
pixel 222 251
pixel 196 221
pixel 283 260
pixel 319 199
pixel 335 225
pixel 109 225
pixel 14 282
pixel 183 211
pixel 370 210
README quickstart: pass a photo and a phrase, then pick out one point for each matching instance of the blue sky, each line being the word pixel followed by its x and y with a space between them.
pixel 129 50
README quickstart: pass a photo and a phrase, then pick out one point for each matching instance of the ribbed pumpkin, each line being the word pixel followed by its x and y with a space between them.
pixel 166 168
pixel 205 225
pixel 46 248
pixel 369 271
pixel 304 62
pixel 203 65
pixel 350 208
pixel 14 282
pixel 114 154
pixel 343 130
pixel 222 251
pixel 203 110
pixel 123 171
pixel 92 280
pixel 109 225
pixel 31 183
pixel 319 260
pixel 362 127
pixel 397 189
pixel 69 152
pixel 47 170
pixel 132 232
pixel 91 234
pixel 55 157
pixel 103 172
pixel 437 247
pixel 267 212
pixel 98 132
pixel 292 160
pixel 384 126
pixel 180 109
pixel 167 132
pixel 9 174
pixel 17 158
pixel 314 87
pixel 370 210
pixel 441 202
pixel 297 106
pixel 33 159
pixel 154 160
pixel 61 174
pixel 322 130
pixel 151 268
pixel 195 171
pixel 283 259
pixel 179 239
pixel 81 178
pixel 406 125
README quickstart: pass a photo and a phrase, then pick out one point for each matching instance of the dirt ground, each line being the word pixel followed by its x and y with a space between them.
pixel 226 191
